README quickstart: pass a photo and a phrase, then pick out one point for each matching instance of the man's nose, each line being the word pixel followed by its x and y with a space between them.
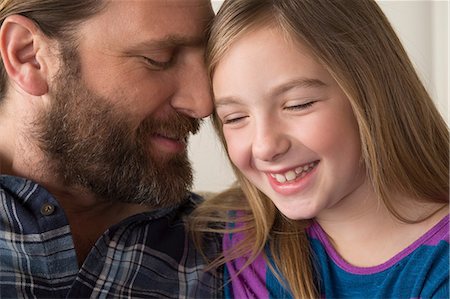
pixel 194 97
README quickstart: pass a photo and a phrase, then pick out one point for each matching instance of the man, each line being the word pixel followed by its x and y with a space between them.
pixel 97 99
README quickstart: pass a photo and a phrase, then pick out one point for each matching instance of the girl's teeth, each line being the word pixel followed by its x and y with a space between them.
pixel 290 175
pixel 293 174
pixel 280 178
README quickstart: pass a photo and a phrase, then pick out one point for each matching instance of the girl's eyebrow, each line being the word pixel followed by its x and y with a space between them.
pixel 276 91
pixel 225 101
pixel 297 83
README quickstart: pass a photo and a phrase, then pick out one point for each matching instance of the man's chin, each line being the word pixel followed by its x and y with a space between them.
pixel 160 197
pixel 164 159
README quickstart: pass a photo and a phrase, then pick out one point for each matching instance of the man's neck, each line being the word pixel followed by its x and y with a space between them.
pixel 90 217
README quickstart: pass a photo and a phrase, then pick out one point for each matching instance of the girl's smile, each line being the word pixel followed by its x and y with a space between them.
pixel 294 180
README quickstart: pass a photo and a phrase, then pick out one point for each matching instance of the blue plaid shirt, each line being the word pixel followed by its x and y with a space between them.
pixel 147 255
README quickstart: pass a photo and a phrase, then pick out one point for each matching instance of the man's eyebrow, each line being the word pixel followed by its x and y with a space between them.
pixel 171 41
pixel 297 83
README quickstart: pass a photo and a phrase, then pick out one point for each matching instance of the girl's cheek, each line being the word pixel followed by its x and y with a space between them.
pixel 239 150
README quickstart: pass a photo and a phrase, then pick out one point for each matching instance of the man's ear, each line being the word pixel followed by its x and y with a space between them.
pixel 20 42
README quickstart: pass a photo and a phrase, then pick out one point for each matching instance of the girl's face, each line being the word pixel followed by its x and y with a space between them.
pixel 289 127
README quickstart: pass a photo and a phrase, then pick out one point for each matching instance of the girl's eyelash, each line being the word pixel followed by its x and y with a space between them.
pixel 233 120
pixel 298 107
pixel 301 106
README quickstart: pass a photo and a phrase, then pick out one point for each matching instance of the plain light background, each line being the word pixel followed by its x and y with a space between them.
pixel 423 29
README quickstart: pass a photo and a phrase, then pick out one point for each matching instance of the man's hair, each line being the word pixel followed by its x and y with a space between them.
pixel 58 19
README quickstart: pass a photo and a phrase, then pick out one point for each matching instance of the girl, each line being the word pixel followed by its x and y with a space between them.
pixel 340 154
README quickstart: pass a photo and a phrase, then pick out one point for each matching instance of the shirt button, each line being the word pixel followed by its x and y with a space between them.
pixel 47 209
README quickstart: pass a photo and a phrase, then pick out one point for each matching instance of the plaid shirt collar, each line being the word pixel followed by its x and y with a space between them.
pixel 146 255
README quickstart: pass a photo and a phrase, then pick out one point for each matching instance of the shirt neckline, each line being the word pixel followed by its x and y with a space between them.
pixel 438 230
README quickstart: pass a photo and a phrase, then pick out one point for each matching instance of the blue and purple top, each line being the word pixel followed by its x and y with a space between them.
pixel 419 271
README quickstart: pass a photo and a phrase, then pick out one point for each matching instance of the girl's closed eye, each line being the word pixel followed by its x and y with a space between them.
pixel 232 118
pixel 298 107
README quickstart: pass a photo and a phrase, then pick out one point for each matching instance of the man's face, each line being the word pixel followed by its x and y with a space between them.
pixel 125 101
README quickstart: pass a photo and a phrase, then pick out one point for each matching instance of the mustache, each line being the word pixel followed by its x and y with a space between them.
pixel 176 126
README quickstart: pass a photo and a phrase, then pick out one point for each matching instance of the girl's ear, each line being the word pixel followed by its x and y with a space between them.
pixel 21 47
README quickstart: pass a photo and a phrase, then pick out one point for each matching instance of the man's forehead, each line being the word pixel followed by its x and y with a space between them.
pixel 161 21
pixel 162 4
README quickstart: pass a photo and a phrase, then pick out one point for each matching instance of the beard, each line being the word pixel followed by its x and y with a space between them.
pixel 90 144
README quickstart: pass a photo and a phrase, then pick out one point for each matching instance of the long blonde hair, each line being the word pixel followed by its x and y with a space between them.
pixel 404 139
